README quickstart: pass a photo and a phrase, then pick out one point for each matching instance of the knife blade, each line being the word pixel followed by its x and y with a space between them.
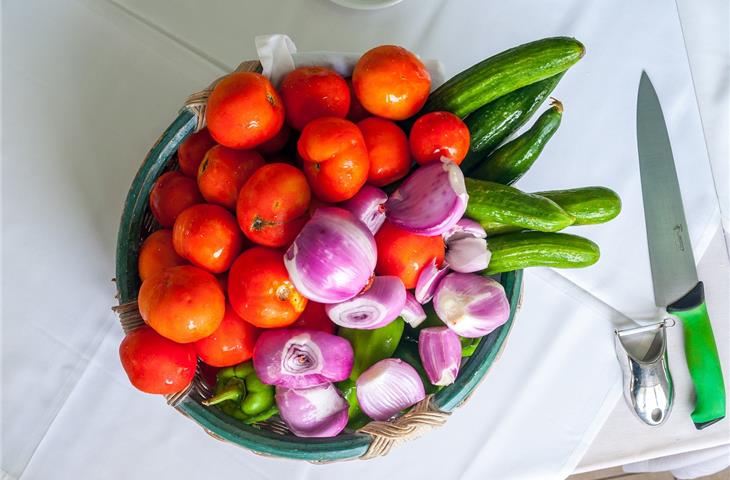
pixel 673 269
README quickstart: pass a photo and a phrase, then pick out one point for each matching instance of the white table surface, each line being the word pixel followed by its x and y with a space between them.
pixel 85 175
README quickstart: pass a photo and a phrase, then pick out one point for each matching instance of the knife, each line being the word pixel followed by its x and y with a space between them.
pixel 673 270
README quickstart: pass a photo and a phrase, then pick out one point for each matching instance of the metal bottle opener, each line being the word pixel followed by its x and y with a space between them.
pixel 648 386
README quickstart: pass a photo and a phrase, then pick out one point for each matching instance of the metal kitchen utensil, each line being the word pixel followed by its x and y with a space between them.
pixel 673 270
pixel 648 387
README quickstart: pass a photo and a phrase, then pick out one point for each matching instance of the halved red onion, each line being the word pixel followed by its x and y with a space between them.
pixel 428 280
pixel 430 201
pixel 440 352
pixel 377 306
pixel 412 312
pixel 299 358
pixel 470 304
pixel 332 258
pixel 312 412
pixel 368 206
pixel 388 387
pixel 467 254
pixel 466 227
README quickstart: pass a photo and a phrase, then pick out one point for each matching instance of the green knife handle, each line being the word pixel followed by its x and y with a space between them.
pixel 702 358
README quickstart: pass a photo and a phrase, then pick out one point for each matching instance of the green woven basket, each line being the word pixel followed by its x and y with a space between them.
pixel 272 437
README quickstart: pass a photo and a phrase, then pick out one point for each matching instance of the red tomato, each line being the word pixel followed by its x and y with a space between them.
pixel 357 111
pixel 208 236
pixel 260 291
pixel 193 150
pixel 313 92
pixel 404 254
pixel 244 110
pixel 155 364
pixel 335 158
pixel 387 144
pixel 223 173
pixel 231 343
pixel 156 254
pixel 314 317
pixel 182 303
pixel 272 205
pixel 391 82
pixel 172 193
pixel 276 144
pixel 439 134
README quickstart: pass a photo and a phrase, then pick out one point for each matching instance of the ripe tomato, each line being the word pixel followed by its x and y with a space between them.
pixel 231 343
pixel 244 110
pixel 182 303
pixel 208 236
pixel 387 144
pixel 155 364
pixel 156 254
pixel 276 144
pixel 357 111
pixel 260 291
pixel 172 193
pixel 314 317
pixel 391 82
pixel 223 173
pixel 192 151
pixel 439 134
pixel 313 92
pixel 335 158
pixel 272 205
pixel 404 254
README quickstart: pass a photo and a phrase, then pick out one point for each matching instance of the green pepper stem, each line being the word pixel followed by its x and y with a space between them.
pixel 233 393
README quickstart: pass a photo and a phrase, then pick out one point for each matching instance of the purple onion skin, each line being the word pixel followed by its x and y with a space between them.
pixel 428 281
pixel 376 307
pixel 388 387
pixel 467 254
pixel 368 206
pixel 299 358
pixel 412 313
pixel 440 352
pixel 430 201
pixel 312 412
pixel 332 258
pixel 466 227
pixel 471 305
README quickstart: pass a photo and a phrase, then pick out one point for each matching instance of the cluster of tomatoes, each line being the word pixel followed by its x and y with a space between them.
pixel 214 275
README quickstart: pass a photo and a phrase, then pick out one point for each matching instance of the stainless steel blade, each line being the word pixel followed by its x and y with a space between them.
pixel 673 267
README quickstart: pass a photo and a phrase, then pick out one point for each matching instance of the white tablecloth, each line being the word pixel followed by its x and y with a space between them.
pixel 87 88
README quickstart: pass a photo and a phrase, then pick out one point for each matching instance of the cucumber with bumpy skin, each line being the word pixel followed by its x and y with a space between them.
pixel 514 251
pixel 589 206
pixel 511 161
pixel 494 122
pixel 503 73
pixel 491 203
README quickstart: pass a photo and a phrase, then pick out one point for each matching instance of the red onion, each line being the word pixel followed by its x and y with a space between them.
pixel 467 254
pixel 377 306
pixel 388 387
pixel 430 201
pixel 332 258
pixel 299 358
pixel 368 206
pixel 466 227
pixel 412 312
pixel 470 304
pixel 428 280
pixel 440 352
pixel 312 412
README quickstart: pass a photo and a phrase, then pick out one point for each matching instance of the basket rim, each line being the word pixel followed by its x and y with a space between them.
pixel 342 447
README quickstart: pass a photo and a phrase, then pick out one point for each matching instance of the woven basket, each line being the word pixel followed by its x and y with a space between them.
pixel 272 437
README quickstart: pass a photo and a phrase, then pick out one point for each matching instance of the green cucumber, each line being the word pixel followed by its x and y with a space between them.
pixel 491 203
pixel 511 161
pixel 514 251
pixel 494 122
pixel 589 206
pixel 503 73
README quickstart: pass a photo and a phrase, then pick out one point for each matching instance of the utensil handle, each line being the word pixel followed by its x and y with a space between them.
pixel 702 358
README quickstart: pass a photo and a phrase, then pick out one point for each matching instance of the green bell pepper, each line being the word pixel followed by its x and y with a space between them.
pixel 241 395
pixel 371 346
